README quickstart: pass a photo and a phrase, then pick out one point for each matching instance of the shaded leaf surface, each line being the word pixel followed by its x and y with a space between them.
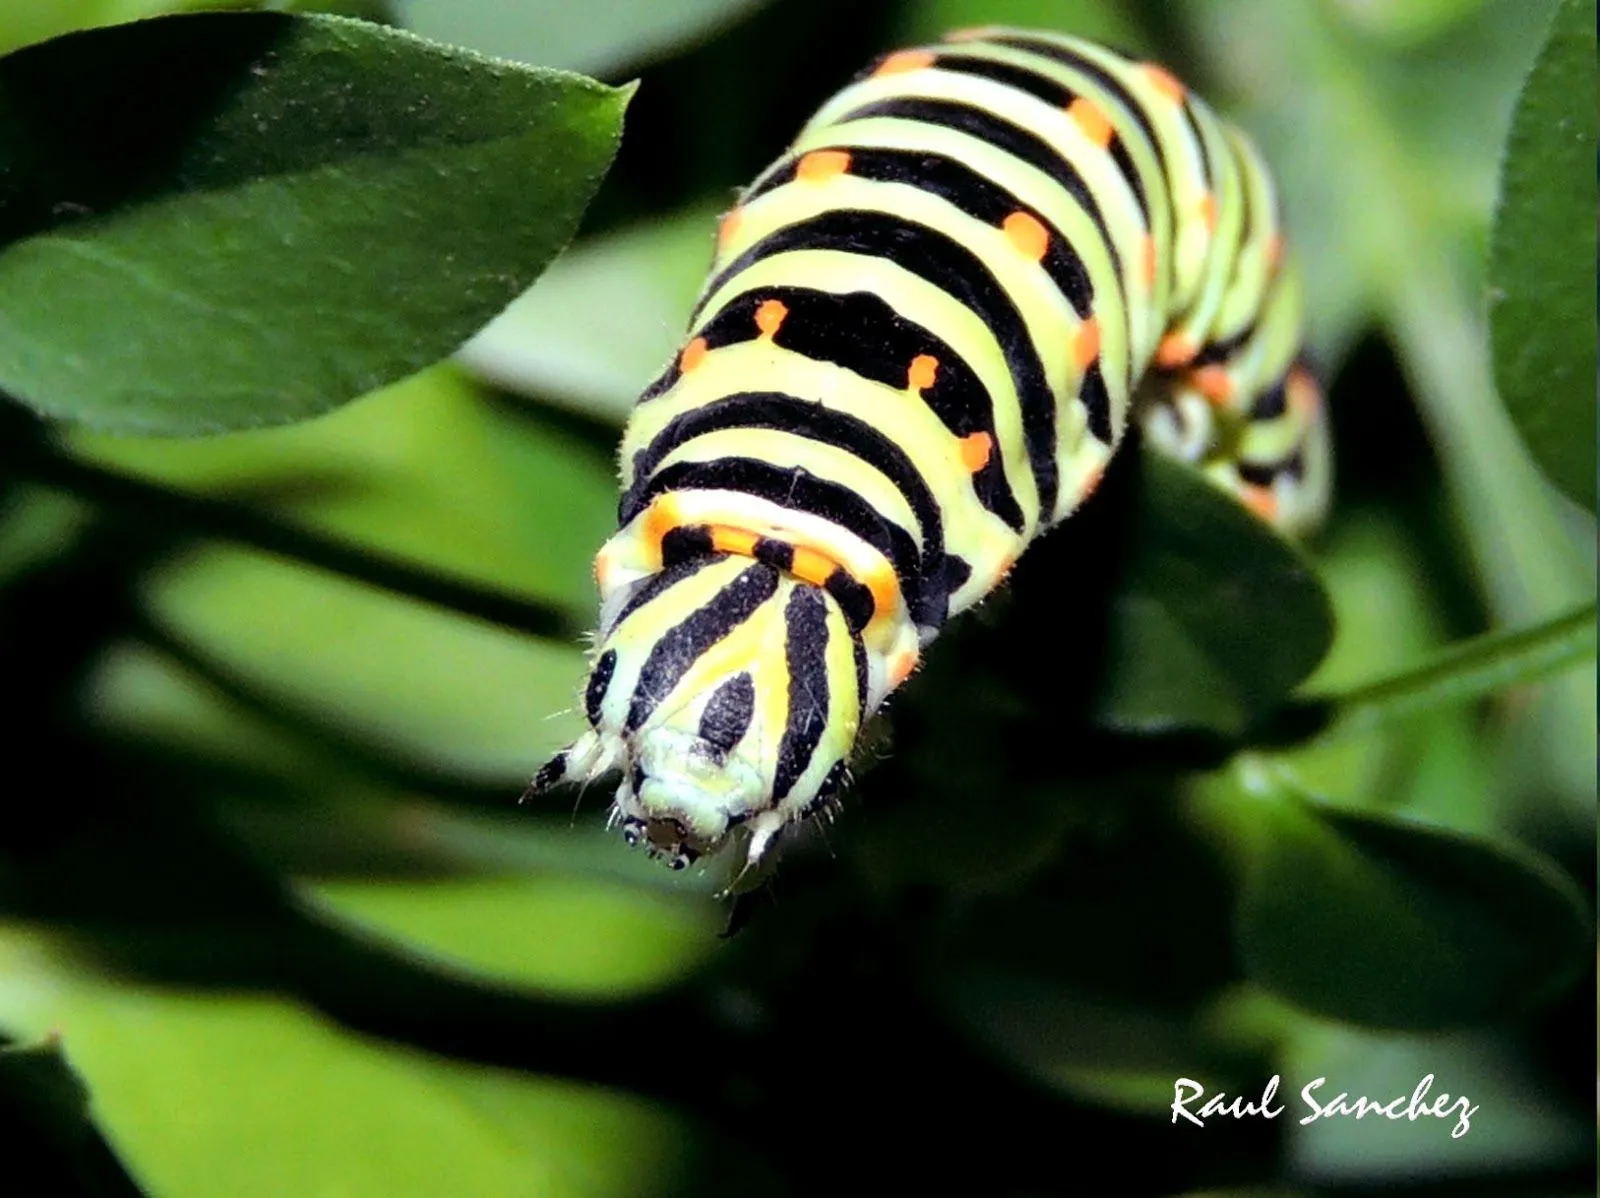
pixel 196 1090
pixel 1215 617
pixel 1542 305
pixel 1392 923
pixel 243 246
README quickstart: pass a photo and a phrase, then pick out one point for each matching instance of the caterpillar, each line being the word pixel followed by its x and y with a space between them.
pixel 924 334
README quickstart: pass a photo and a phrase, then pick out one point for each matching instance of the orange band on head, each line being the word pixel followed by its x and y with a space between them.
pixel 1175 349
pixel 661 518
pixel 693 354
pixel 1028 236
pixel 1260 500
pixel 811 566
pixel 1164 81
pixel 1208 211
pixel 924 370
pixel 733 540
pixel 602 569
pixel 975 451
pixel 820 165
pixel 1214 382
pixel 905 61
pixel 1275 251
pixel 1149 261
pixel 1086 342
pixel 769 317
pixel 1091 118
pixel 885 587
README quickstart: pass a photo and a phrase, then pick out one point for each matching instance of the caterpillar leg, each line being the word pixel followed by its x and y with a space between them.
pixel 1249 414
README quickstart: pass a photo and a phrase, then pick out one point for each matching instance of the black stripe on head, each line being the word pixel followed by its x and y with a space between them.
pixel 685 544
pixel 1003 135
pixel 863 334
pixel 683 644
pixel 647 589
pixel 805 619
pixel 803 418
pixel 774 552
pixel 955 270
pixel 853 598
pixel 599 679
pixel 1057 95
pixel 796 490
pixel 727 714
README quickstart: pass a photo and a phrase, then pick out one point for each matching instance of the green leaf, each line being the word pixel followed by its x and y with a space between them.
pixel 1521 1124
pixel 205 1094
pixel 298 210
pixel 596 36
pixel 556 933
pixel 1216 616
pixel 1386 921
pixel 1542 297
pixel 23 22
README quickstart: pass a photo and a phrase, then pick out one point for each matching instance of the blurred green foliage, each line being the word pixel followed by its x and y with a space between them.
pixel 270 922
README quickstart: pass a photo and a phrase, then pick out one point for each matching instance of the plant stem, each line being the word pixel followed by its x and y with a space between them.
pixel 1472 669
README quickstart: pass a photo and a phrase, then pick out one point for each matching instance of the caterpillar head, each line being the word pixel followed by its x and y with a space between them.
pixel 728 693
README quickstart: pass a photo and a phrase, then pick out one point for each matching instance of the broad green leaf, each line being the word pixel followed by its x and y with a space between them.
pixel 427 471
pixel 1542 298
pixel 430 471
pixel 447 694
pixel 23 22
pixel 603 320
pixel 1520 1123
pixel 1391 922
pixel 1215 617
pixel 298 210
pixel 1114 1054
pixel 597 37
pixel 205 1094
pixel 553 932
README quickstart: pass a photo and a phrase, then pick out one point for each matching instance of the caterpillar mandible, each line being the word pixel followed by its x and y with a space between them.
pixel 924 331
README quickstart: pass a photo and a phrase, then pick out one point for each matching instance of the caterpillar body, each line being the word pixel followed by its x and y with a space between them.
pixel 924 334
